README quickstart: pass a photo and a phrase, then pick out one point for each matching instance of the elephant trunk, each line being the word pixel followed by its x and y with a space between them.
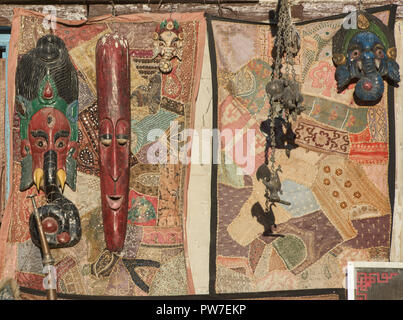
pixel 50 178
pixel 370 87
pixel 60 218
pixel 369 67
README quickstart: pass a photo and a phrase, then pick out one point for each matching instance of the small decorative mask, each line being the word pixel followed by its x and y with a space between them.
pixel 367 54
pixel 168 43
pixel 113 89
pixel 47 103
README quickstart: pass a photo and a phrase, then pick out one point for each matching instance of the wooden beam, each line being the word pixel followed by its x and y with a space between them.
pixel 304 10
pixel 91 2
pixel 301 9
pixel 253 12
pixel 69 12
pixel 4 22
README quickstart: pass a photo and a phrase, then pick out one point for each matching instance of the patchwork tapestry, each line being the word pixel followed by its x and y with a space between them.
pixel 339 181
pixel 154 260
pixel 3 153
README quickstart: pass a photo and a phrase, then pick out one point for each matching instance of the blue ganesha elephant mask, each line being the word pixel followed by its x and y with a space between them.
pixel 366 54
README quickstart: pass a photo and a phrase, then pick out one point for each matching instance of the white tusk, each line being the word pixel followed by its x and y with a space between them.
pixel 377 63
pixel 359 65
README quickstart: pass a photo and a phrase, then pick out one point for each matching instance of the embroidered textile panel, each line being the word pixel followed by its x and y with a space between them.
pixel 154 260
pixel 3 153
pixel 339 180
pixel 4 41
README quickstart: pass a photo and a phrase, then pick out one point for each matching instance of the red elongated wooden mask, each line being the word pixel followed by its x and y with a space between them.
pixel 113 90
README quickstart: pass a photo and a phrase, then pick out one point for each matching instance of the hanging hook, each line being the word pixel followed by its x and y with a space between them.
pixel 360 5
pixel 113 9
pixel 171 10
pixel 51 30
pixel 88 10
pixel 219 8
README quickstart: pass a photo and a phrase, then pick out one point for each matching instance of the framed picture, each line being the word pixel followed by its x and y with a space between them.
pixel 375 280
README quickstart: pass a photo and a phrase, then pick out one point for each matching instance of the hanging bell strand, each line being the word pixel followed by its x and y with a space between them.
pixel 280 45
pixel 277 90
pixel 274 110
pixel 289 38
pixel 286 38
pixel 273 126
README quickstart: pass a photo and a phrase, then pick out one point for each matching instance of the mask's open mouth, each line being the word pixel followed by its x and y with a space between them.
pixel 114 201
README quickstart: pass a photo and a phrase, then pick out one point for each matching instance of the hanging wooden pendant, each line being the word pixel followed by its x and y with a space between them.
pixel 168 43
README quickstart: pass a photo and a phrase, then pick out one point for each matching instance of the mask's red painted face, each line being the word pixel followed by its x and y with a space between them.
pixel 113 87
pixel 114 152
pixel 48 129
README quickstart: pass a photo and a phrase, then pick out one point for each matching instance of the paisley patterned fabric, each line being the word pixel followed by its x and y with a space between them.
pixel 340 180
pixel 3 153
pixel 154 260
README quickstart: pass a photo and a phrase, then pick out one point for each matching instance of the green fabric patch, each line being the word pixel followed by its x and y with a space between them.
pixel 141 211
pixel 6 293
pixel 249 85
pixel 291 249
pixel 337 115
pixel 161 120
pixel 228 174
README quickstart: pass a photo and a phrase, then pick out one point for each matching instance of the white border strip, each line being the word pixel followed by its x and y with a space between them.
pixel 350 281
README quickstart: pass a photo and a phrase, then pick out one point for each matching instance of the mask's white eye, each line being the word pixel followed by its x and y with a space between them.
pixel 379 52
pixel 122 142
pixel 355 53
pixel 106 140
pixel 40 143
pixel 122 139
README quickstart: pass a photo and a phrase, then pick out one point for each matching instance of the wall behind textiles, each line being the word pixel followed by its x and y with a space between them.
pixel 397 230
